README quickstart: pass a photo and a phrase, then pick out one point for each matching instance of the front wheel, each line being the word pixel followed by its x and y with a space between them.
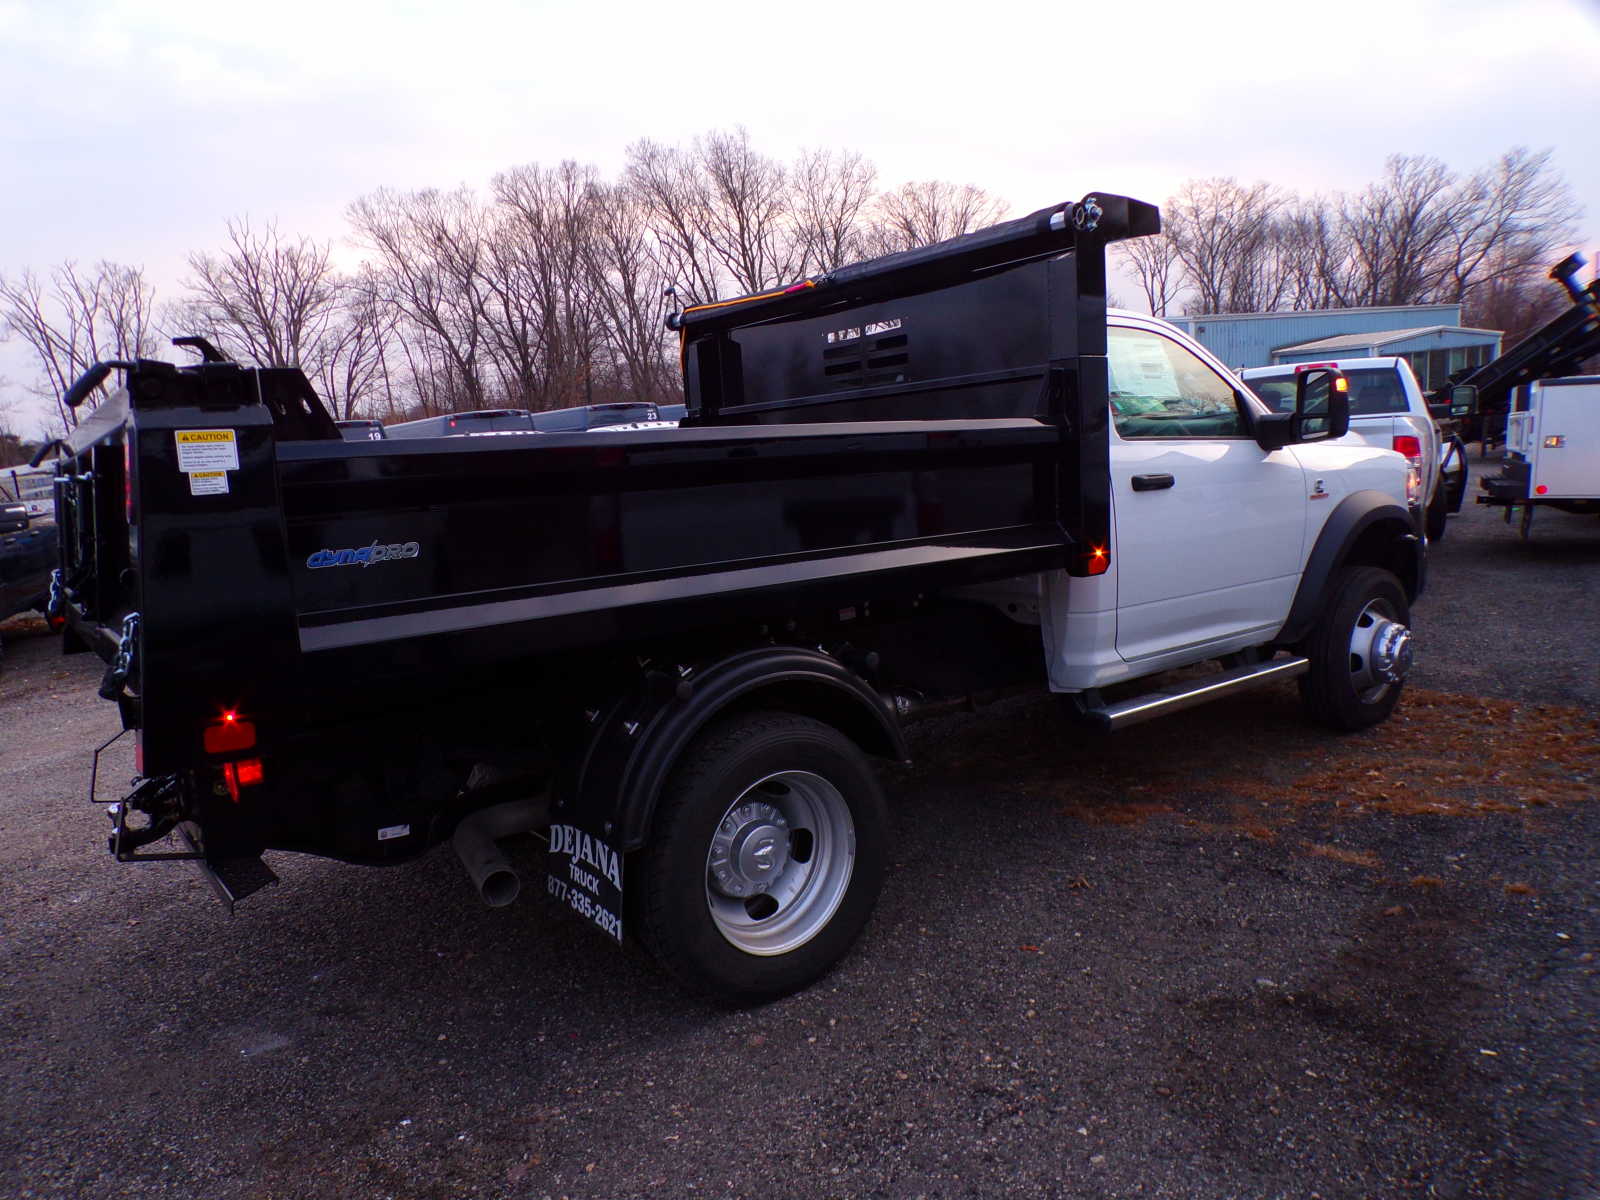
pixel 766 859
pixel 1360 652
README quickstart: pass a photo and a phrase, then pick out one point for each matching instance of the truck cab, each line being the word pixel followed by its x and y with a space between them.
pixel 1212 529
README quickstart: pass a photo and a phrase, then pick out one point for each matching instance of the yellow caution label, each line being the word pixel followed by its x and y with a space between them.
pixel 207 450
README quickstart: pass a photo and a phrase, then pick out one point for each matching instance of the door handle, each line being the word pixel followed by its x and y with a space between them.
pixel 1151 483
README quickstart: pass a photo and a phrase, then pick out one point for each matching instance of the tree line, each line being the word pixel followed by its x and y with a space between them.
pixel 550 288
pixel 1421 233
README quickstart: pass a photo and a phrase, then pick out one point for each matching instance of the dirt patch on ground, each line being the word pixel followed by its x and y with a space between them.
pixel 1255 768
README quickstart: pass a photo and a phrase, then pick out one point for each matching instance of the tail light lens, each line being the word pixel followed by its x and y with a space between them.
pixel 1408 445
pixel 242 774
pixel 229 734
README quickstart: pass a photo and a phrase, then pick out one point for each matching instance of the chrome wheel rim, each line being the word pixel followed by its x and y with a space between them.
pixel 779 863
pixel 1380 651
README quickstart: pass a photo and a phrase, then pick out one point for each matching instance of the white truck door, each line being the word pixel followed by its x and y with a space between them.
pixel 1209 528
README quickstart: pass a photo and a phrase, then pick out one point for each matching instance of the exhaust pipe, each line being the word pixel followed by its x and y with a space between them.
pixel 474 841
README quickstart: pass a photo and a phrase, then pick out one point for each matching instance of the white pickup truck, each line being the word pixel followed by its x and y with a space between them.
pixel 1388 409
pixel 1223 546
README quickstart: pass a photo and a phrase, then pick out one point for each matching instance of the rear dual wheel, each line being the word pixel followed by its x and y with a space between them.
pixel 767 857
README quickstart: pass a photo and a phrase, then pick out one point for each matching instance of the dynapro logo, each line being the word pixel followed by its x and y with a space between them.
pixel 364 556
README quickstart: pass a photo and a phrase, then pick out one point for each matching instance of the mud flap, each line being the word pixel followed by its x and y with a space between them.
pixel 584 876
pixel 1453 473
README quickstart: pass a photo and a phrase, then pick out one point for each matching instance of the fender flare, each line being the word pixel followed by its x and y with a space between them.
pixel 611 787
pixel 1368 522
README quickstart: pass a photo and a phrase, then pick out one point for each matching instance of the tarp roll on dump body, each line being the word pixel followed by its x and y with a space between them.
pixel 1098 218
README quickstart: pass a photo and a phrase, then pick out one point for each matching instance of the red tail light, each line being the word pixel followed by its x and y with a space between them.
pixel 1408 445
pixel 1097 561
pixel 229 735
pixel 245 773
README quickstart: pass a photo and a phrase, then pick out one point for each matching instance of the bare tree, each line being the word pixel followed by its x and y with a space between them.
pixel 1313 252
pixel 919 214
pixel 1154 261
pixel 431 250
pixel 352 373
pixel 1515 216
pixel 545 310
pixel 266 299
pixel 747 213
pixel 664 179
pixel 1401 231
pixel 629 287
pixel 1223 234
pixel 722 215
pixel 77 319
pixel 832 191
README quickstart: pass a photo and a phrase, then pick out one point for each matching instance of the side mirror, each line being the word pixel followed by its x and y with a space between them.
pixel 1463 400
pixel 1321 411
pixel 1321 405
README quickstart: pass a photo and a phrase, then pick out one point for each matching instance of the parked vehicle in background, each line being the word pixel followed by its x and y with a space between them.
pixel 28 553
pixel 584 418
pixel 1387 409
pixel 32 486
pixel 360 431
pixel 485 420
pixel 595 416
pixel 1563 347
pixel 28 538
pixel 1552 452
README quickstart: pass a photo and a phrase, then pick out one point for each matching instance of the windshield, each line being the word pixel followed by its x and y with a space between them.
pixel 1373 391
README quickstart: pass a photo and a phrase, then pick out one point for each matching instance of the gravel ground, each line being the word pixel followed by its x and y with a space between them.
pixel 1223 955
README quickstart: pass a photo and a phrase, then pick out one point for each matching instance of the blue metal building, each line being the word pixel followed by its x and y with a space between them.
pixel 1429 336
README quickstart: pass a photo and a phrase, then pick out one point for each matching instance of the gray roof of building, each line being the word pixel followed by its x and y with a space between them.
pixel 1375 337
pixel 1312 312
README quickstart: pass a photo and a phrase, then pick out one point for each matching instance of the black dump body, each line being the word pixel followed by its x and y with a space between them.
pixel 916 422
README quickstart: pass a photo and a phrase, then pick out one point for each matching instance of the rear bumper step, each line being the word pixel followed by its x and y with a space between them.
pixel 1192 692
pixel 231 879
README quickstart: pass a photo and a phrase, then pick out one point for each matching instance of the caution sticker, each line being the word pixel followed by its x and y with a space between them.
pixel 208 483
pixel 206 450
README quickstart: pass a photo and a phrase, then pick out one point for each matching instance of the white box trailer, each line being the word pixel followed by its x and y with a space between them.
pixel 1552 453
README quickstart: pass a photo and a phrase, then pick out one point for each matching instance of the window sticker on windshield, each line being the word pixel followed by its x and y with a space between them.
pixel 208 483
pixel 207 450
pixel 1139 366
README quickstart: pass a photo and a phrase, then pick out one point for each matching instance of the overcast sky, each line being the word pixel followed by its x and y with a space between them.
pixel 134 130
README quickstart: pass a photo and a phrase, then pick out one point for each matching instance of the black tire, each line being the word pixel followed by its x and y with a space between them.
pixel 1437 515
pixel 1339 690
pixel 731 948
